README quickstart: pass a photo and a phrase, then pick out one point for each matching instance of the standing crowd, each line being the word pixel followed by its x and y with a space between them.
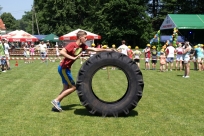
pixel 182 54
pixel 169 57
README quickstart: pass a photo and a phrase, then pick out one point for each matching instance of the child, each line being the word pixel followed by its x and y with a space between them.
pixel 26 53
pixel 137 55
pixel 57 52
pixel 32 51
pixel 179 56
pixel 147 57
pixel 113 47
pixel 92 52
pixel 2 57
pixel 154 57
pixel 130 52
pixel 64 69
pixel 162 61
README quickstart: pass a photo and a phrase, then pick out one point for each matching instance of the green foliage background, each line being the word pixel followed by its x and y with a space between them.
pixel 136 21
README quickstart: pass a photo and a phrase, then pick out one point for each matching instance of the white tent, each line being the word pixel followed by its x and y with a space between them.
pixel 72 35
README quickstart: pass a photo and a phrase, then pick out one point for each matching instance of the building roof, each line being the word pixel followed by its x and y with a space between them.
pixel 183 21
pixel 2 25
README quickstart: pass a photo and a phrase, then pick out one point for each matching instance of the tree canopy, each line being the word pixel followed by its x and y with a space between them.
pixel 9 20
pixel 135 21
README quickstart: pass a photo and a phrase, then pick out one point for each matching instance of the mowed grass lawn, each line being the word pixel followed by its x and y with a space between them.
pixel 171 105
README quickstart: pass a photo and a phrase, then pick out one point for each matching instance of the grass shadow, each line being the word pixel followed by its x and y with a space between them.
pixel 180 75
pixel 69 107
pixel 65 108
pixel 85 112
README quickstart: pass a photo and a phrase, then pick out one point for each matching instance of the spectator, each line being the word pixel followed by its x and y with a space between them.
pixel 2 56
pixel 194 57
pixel 170 50
pixel 6 51
pixel 147 57
pixel 113 48
pixel 26 52
pixel 137 55
pixel 130 52
pixel 57 52
pixel 43 50
pixel 162 58
pixel 186 55
pixel 98 45
pixel 179 57
pixel 199 53
pixel 123 48
pixel 48 44
pixel 91 53
pixel 202 46
pixel 32 51
pixel 154 57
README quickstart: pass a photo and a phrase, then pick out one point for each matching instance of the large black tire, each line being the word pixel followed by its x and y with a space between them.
pixel 127 102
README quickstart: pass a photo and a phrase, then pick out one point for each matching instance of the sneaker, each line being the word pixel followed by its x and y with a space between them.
pixel 183 76
pixel 56 104
pixel 4 71
pixel 186 76
pixel 55 109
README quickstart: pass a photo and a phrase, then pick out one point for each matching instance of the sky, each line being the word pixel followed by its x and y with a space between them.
pixel 16 7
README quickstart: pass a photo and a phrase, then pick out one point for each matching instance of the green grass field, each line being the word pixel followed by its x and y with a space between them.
pixel 170 106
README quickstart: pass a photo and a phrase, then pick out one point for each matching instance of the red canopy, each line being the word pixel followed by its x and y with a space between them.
pixel 72 35
pixel 19 36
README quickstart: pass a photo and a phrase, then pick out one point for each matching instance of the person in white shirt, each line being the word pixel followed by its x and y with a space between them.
pixel 43 50
pixel 57 52
pixel 6 50
pixel 170 50
pixel 123 48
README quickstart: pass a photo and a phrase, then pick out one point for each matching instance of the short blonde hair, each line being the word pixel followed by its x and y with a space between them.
pixel 80 33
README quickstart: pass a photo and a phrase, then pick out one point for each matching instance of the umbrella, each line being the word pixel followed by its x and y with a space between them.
pixel 40 37
pixel 72 35
pixel 4 36
pixel 51 38
pixel 20 36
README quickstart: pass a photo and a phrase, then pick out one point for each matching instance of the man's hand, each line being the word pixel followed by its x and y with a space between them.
pixel 78 56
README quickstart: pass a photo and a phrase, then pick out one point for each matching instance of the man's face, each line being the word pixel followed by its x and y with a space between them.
pixel 83 39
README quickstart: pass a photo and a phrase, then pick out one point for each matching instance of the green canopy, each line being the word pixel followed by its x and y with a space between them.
pixel 51 38
pixel 183 21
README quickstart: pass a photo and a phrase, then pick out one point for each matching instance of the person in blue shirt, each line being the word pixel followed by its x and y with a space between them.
pixel 199 54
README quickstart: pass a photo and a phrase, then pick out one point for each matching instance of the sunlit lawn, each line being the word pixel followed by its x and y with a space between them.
pixel 171 105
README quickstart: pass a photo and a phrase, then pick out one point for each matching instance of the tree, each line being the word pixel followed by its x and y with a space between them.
pixel 121 19
pixel 26 22
pixel 114 20
pixel 191 6
pixel 55 16
pixel 9 21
